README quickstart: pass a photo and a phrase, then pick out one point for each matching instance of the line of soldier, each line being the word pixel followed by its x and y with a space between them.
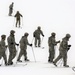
pixel 64 47
pixel 17 15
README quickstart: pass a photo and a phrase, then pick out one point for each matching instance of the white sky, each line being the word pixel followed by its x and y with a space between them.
pixel 51 15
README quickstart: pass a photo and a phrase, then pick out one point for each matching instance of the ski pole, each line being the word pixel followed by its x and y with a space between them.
pixel 1 61
pixel 33 54
pixel 42 41
pixel 60 62
pixel 16 56
pixel 14 22
pixel 14 10
pixel 32 40
pixel 22 21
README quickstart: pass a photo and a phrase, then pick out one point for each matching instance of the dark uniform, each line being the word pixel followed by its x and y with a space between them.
pixel 37 34
pixel 23 46
pixel 12 48
pixel 18 15
pixel 52 43
pixel 64 47
pixel 3 48
pixel 11 9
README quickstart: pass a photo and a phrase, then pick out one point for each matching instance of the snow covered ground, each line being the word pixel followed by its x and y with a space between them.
pixel 53 16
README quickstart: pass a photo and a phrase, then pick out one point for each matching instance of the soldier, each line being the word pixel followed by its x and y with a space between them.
pixel 11 9
pixel 23 46
pixel 36 35
pixel 52 43
pixel 18 15
pixel 12 48
pixel 64 47
pixel 3 48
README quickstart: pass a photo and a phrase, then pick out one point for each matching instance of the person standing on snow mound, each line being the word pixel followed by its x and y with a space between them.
pixel 52 43
pixel 23 46
pixel 18 15
pixel 11 46
pixel 63 49
pixel 3 48
pixel 11 9
pixel 36 35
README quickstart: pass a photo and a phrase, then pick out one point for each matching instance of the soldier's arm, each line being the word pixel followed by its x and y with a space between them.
pixel 26 41
pixel 58 41
pixel 9 6
pixel 54 42
pixel 34 34
pixel 41 33
pixel 49 42
pixel 15 15
pixel 65 45
pixel 10 41
pixel 20 15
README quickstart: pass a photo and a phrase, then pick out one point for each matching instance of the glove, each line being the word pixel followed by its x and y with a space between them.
pixel 58 41
pixel 12 43
pixel 68 49
pixel 69 45
pixel 30 44
pixel 43 35
pixel 33 35
pixel 6 46
pixel 17 44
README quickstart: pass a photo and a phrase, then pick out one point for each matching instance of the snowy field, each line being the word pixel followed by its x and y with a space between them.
pixel 53 16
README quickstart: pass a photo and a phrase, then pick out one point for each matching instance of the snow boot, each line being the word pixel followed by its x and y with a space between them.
pixel 19 60
pixel 66 65
pixel 26 59
pixel 54 64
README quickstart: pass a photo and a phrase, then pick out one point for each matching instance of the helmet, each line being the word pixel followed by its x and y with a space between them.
pixel 53 34
pixel 26 34
pixel 68 35
pixel 39 27
pixel 17 11
pixel 12 31
pixel 3 36
pixel 12 2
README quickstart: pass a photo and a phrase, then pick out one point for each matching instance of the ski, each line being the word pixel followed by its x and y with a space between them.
pixel 40 47
pixel 73 68
pixel 16 65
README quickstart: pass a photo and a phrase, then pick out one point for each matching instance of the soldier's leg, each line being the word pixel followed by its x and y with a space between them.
pixel 25 54
pixel 65 59
pixel 0 59
pixel 49 58
pixel 20 54
pixel 52 55
pixel 10 57
pixel 58 58
pixel 35 42
pixel 39 41
pixel 10 12
pixel 19 22
pixel 16 22
pixel 14 54
pixel 5 58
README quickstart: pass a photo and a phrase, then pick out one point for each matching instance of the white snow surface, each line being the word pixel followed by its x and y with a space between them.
pixel 53 16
